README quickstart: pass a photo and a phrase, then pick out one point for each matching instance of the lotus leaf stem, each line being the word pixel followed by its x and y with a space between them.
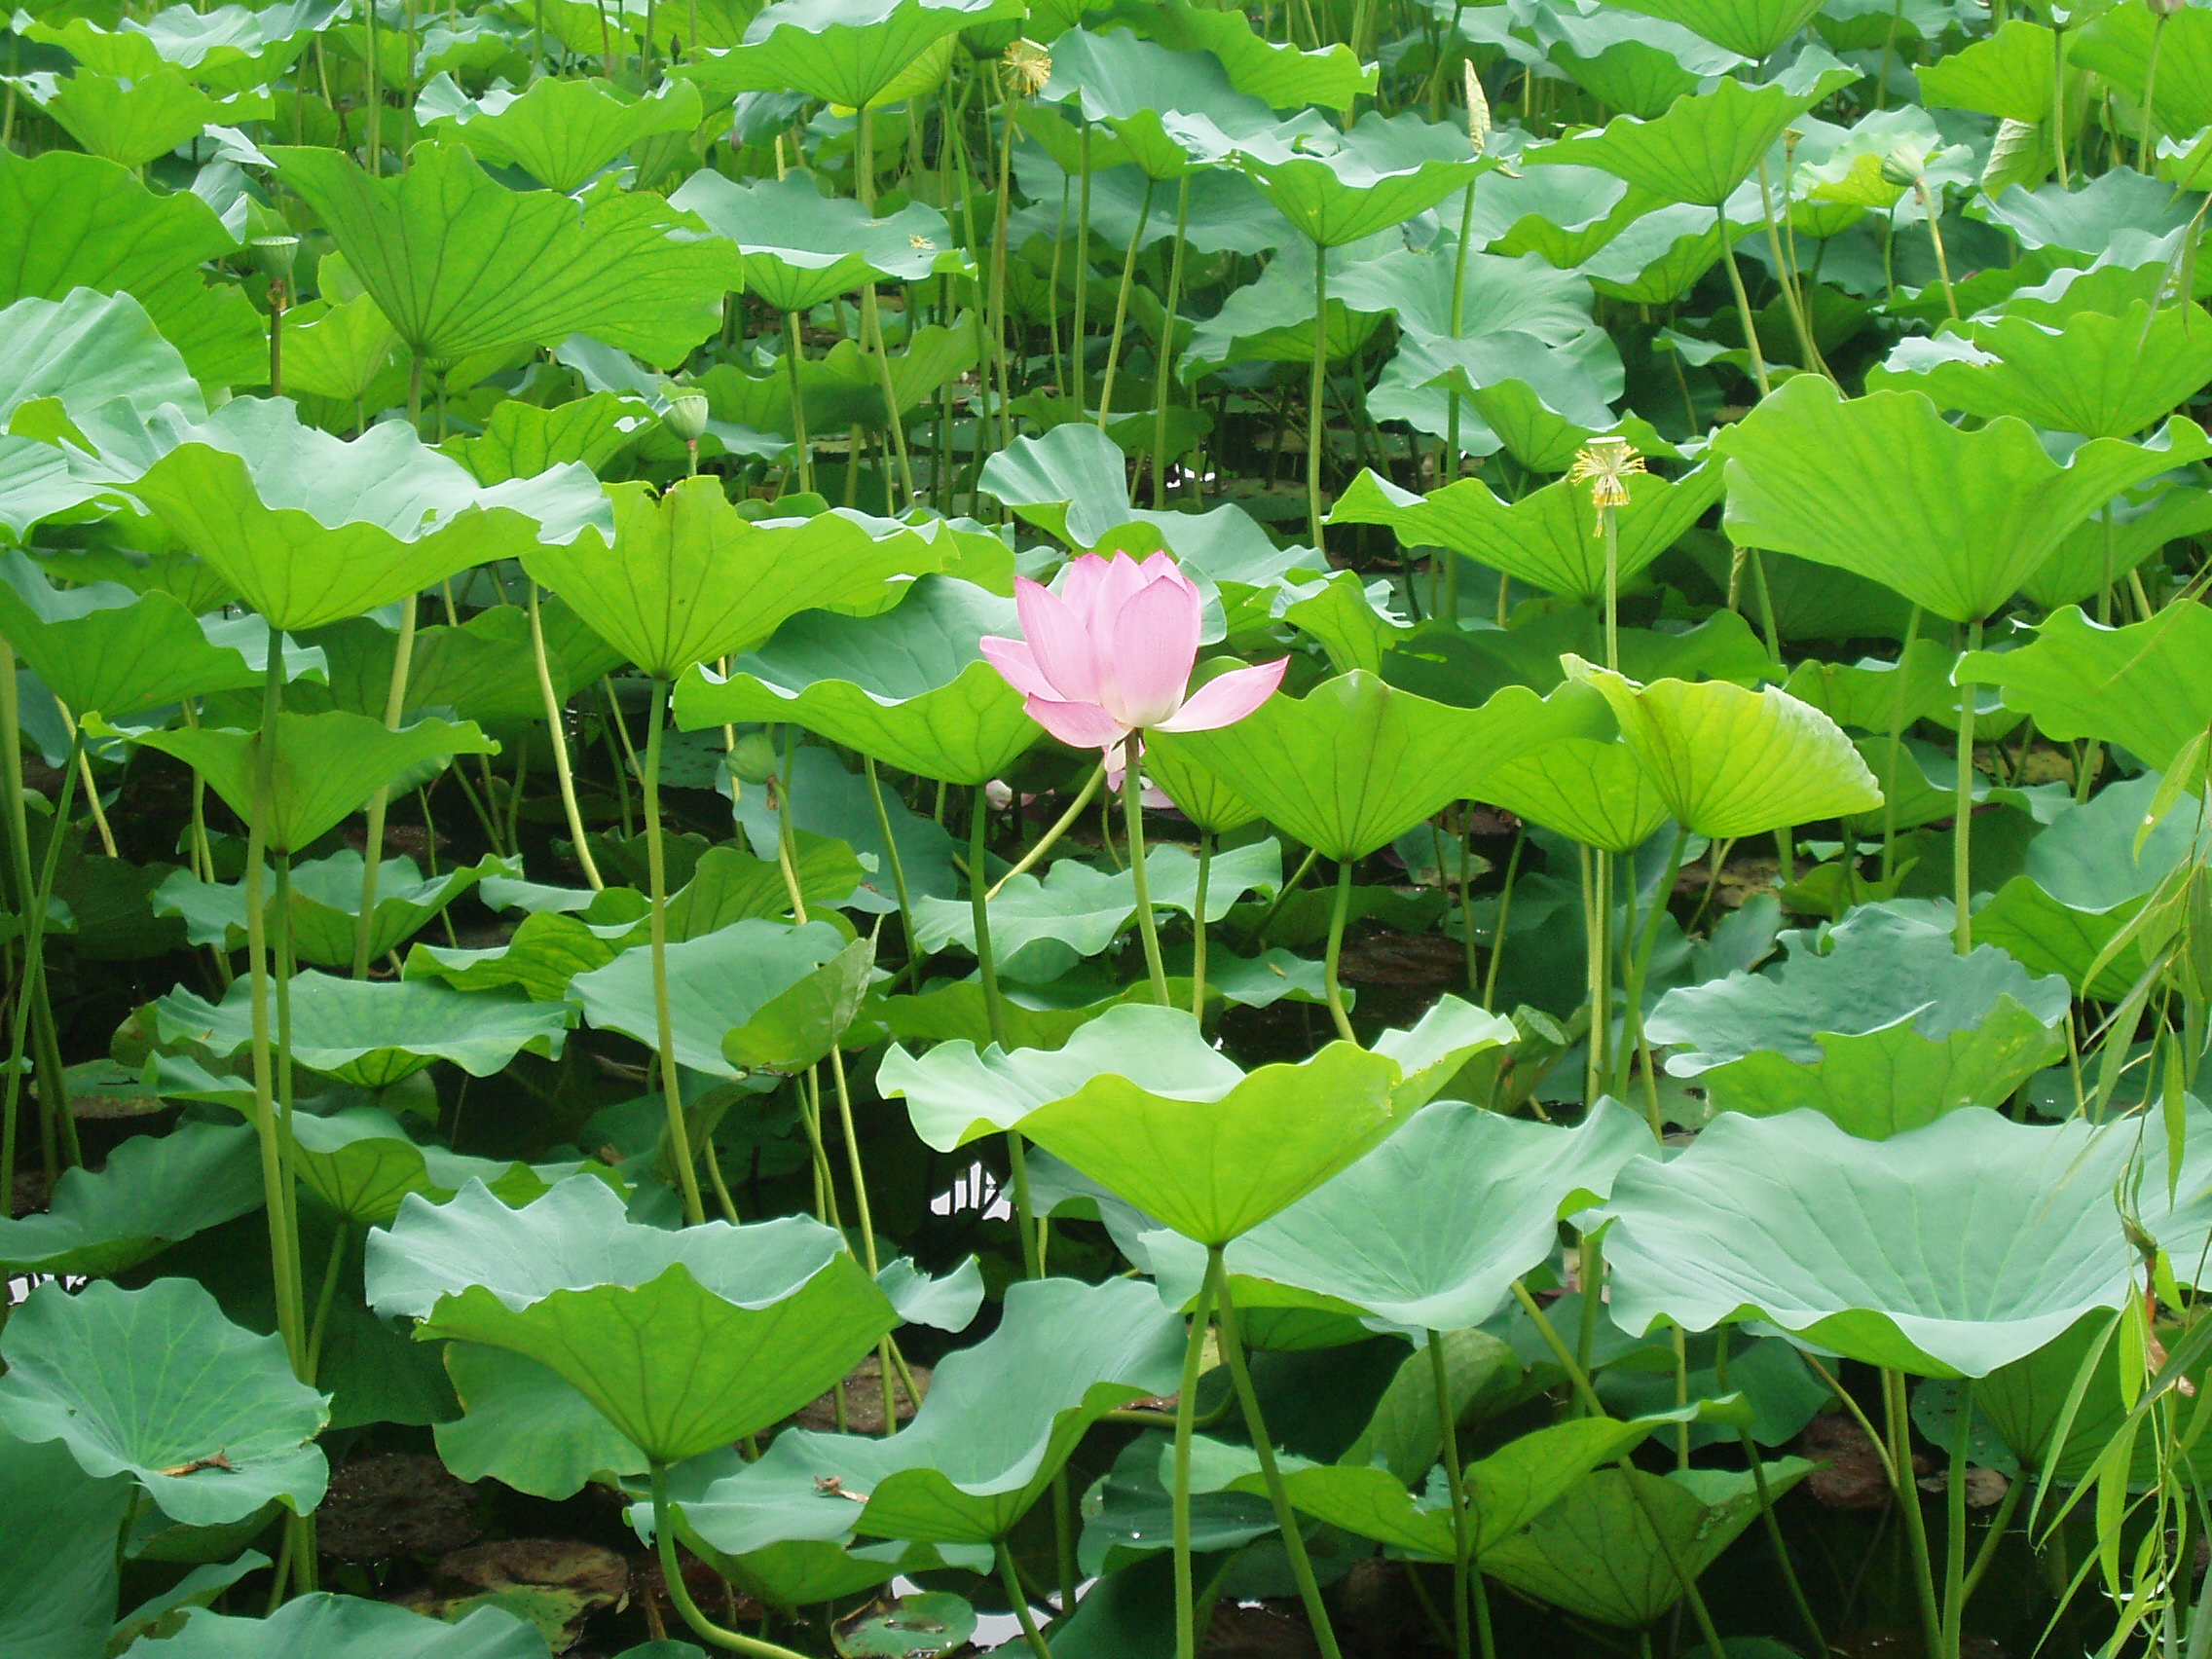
pixel 554 722
pixel 1163 379
pixel 1263 1444
pixel 1060 826
pixel 1331 982
pixel 1122 306
pixel 371 847
pixel 664 1024
pixel 1462 1544
pixel 679 1593
pixel 1186 1408
pixel 1018 1598
pixel 1961 812
pixel 1898 1423
pixel 897 866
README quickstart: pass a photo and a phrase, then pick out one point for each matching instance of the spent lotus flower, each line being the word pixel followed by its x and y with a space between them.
pixel 1110 656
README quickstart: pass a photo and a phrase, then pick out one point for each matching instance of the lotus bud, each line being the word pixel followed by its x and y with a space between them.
pixel 1478 108
pixel 1904 166
pixel 999 792
pixel 274 256
pixel 2164 8
pixel 687 413
pixel 753 758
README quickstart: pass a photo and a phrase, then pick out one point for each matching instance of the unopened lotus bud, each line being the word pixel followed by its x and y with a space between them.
pixel 686 415
pixel 2164 8
pixel 753 758
pixel 1478 108
pixel 999 794
pixel 274 256
pixel 1904 166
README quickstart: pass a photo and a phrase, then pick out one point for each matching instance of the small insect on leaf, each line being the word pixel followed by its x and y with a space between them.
pixel 213 1460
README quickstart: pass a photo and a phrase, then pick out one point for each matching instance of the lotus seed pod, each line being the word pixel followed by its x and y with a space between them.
pixel 753 758
pixel 686 415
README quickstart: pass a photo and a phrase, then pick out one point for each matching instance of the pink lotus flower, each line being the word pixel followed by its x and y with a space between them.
pixel 1111 655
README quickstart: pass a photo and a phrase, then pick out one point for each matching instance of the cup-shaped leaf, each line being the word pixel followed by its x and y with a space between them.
pixel 1428 1231
pixel 88 349
pixel 461 264
pixel 2103 376
pixel 1944 1251
pixel 361 1163
pixel 561 133
pixel 102 648
pixel 1885 487
pixel 311 528
pixel 1751 28
pixel 1133 88
pixel 1337 188
pixel 1355 762
pixel 844 52
pixel 57 1579
pixel 1701 149
pixel 803 248
pixel 327 765
pixel 1878 1022
pixel 716 984
pixel 1140 1101
pixel 907 686
pixel 375 1032
pixel 157 1385
pixel 1000 1421
pixel 683 1340
pixel 1548 538
pixel 1617 1554
pixel 325 1626
pixel 1592 790
pixel 326 899
pixel 2146 686
pixel 154 1191
pixel 1728 761
pixel 689 579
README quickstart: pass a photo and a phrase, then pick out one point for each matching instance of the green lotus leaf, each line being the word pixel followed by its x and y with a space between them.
pixel 1280 76
pixel 1541 402
pixel 1037 1017
pixel 541 958
pixel 70 220
pixel 2082 880
pixel 2118 48
pixel 1636 66
pixel 2102 376
pixel 853 53
pixel 229 47
pixel 1549 537
pixel 361 1163
pixel 89 349
pixel 153 1190
pixel 373 1032
pixel 35 484
pixel 1208 1149
pixel 1354 763
pixel 1000 1421
pixel 57 1579
pixel 484 670
pixel 1663 253
pixel 956 1092
pixel 1076 910
pixel 803 248
pixel 1592 790
pixel 157 1385
pixel 345 352
pixel 102 648
pixel 2008 74
pixel 1751 28
pixel 325 1626
pixel 326 766
pixel 1944 1251
pixel 326 903
pixel 2141 522
pixel 1880 1024
pixel 799 1026
pixel 2145 686
pixel 717 983
pixel 561 133
pixel 1729 762
pixel 1380 172
pixel 1431 1230
pixel 524 1426
pixel 1962 519
pixel 683 1340
pixel 311 528
pixel 1866 694
pixel 1134 90
pixel 461 264
pixel 689 579
pixel 1595 1553
pixel 127 120
pixel 1227 214
pixel 1705 145
pixel 1467 667
pixel 520 440
pixel 907 686
pixel 1505 1491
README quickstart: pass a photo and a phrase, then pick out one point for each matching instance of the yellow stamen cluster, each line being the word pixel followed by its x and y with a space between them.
pixel 1606 464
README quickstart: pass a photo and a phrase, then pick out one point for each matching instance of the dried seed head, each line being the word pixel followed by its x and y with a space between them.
pixel 1478 108
pixel 1606 464
pixel 1027 67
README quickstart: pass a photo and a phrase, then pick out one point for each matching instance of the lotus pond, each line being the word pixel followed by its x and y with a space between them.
pixel 1356 827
